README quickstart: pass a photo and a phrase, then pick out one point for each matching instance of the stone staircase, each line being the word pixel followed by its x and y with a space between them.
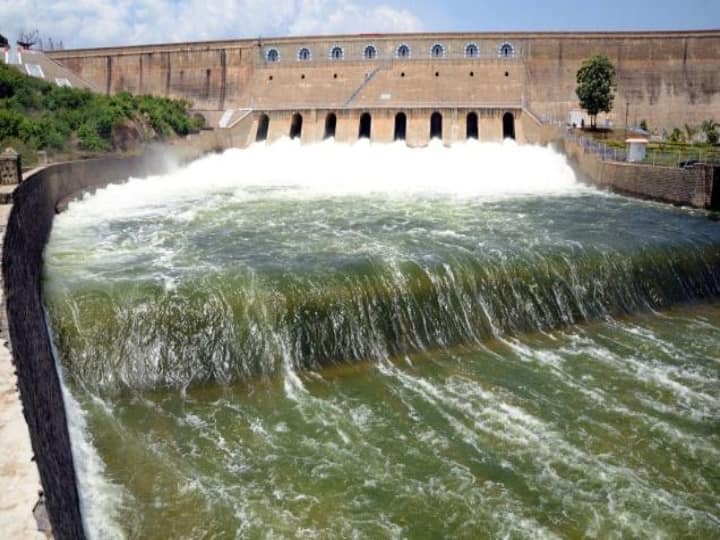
pixel 367 80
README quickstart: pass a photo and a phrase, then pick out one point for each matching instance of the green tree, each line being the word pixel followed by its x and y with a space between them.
pixel 677 136
pixel 596 86
pixel 710 128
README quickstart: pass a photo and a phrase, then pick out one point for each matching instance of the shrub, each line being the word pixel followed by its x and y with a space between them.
pixel 61 97
pixel 710 128
pixel 677 136
pixel 10 123
pixel 10 81
pixel 90 140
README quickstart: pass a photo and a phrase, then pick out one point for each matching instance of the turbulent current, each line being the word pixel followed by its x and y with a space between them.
pixel 373 341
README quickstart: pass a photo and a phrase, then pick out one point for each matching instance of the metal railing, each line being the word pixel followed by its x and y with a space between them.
pixel 592 146
pixel 660 157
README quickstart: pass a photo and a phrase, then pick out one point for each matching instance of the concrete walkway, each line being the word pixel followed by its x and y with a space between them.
pixel 19 480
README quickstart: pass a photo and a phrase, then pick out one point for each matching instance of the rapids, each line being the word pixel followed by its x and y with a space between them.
pixel 371 340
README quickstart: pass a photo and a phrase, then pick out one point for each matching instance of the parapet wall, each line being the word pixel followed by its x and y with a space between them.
pixel 666 78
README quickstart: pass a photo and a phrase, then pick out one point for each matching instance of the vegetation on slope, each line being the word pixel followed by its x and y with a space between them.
pixel 36 115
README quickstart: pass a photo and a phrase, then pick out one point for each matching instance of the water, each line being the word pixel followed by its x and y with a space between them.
pixel 375 341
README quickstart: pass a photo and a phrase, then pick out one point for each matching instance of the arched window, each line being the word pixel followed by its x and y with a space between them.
pixel 403 51
pixel 263 126
pixel 337 53
pixel 272 55
pixel 437 51
pixel 471 50
pixel 370 52
pixel 506 50
pixel 304 54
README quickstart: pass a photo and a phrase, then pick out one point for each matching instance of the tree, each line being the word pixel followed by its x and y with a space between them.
pixel 596 86
pixel 28 38
pixel 709 127
pixel 690 131
pixel 677 136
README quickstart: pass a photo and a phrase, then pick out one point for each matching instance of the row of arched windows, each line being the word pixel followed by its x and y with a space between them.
pixel 400 131
pixel 403 51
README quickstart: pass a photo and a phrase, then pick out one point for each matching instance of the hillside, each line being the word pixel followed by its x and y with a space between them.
pixel 72 123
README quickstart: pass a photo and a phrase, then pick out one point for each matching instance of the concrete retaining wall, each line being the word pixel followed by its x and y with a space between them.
pixel 689 187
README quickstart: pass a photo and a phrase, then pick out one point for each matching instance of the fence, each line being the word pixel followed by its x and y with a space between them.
pixel 666 157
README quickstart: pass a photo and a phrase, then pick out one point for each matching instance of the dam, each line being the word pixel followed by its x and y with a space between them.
pixel 372 301
pixel 473 80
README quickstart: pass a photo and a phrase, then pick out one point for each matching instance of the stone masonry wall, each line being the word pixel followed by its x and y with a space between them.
pixel 690 187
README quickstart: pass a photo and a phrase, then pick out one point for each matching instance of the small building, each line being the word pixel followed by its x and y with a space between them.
pixel 636 149
pixel 576 118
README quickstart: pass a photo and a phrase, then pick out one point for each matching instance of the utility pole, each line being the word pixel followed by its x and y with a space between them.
pixel 627 114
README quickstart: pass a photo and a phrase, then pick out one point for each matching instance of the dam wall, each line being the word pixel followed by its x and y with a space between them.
pixel 451 124
pixel 665 78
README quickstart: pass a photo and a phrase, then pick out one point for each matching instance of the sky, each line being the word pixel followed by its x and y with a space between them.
pixel 92 23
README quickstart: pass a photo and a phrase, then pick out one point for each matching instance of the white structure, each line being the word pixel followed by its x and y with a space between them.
pixel 636 149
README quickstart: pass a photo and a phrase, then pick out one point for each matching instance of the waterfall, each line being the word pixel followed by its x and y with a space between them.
pixel 334 253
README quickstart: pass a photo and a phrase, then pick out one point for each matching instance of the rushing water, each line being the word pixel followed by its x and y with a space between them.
pixel 375 341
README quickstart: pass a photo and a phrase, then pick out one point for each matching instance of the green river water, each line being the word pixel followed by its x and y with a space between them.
pixel 443 342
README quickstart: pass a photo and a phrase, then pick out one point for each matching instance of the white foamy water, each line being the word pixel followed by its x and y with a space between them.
pixel 329 169
pixel 100 500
